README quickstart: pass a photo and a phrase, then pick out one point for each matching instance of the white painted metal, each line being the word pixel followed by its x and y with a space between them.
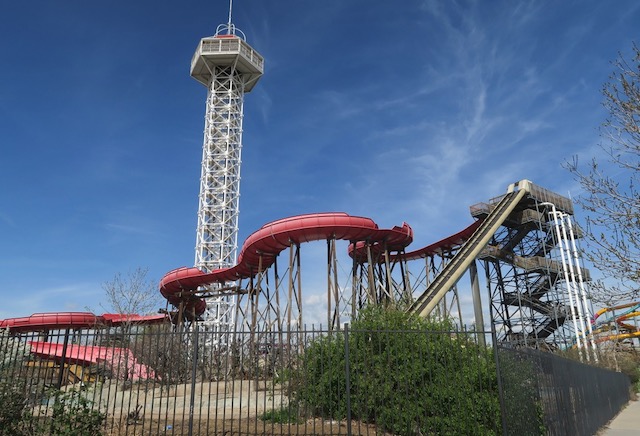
pixel 582 288
pixel 228 67
pixel 573 279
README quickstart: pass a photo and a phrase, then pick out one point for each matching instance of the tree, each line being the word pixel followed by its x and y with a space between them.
pixel 133 293
pixel 611 199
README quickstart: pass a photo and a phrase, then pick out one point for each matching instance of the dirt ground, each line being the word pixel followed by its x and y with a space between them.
pixel 248 427
pixel 220 408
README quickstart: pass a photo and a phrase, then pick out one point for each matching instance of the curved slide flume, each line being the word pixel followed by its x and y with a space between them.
pixel 629 327
pixel 449 243
pixel 262 247
pixel 83 354
pixel 624 330
pixel 634 306
pixel 75 320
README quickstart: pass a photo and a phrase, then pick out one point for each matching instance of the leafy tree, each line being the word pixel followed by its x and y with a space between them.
pixel 612 199
pixel 72 413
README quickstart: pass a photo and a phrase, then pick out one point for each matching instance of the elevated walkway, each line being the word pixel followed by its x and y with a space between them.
pixel 528 264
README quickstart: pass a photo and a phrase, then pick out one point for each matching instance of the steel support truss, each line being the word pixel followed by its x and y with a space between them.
pixel 535 280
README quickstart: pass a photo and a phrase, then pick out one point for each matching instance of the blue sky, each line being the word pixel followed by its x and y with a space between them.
pixel 399 111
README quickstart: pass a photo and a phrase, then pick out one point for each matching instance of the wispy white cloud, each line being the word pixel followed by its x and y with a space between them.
pixel 401 113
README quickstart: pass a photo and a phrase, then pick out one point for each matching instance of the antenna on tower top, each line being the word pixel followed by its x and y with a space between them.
pixel 229 28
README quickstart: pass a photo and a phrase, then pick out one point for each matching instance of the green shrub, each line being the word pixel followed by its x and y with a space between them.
pixel 320 386
pixel 74 415
pixel 13 415
pixel 407 375
pixel 284 415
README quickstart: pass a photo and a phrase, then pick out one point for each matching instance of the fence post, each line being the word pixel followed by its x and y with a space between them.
pixel 63 359
pixel 494 341
pixel 194 368
pixel 347 376
pixel 503 409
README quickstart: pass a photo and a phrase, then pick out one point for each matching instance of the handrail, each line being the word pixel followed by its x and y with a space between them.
pixel 454 270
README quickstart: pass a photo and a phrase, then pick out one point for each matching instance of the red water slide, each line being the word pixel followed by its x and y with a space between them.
pixel 447 244
pixel 75 320
pixel 83 354
pixel 264 245
pixel 121 361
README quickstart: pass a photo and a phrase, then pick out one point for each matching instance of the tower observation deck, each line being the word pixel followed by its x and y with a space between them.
pixel 228 67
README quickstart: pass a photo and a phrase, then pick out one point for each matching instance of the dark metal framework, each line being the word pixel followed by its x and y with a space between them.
pixel 546 394
pixel 272 300
pixel 530 301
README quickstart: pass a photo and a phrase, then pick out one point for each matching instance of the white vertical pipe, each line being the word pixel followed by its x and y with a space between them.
pixel 574 287
pixel 583 292
pixel 554 213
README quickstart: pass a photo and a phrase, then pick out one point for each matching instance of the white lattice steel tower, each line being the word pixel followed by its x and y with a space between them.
pixel 228 67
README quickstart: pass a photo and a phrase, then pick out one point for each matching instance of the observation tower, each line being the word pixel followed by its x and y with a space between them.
pixel 228 67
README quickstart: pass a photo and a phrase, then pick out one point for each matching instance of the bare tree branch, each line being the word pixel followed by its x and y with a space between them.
pixel 612 199
pixel 132 293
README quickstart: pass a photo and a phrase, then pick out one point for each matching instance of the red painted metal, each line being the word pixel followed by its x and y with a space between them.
pixel 74 320
pixel 120 360
pixel 50 321
pixel 117 319
pixel 81 354
pixel 177 286
pixel 449 243
pixel 443 245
